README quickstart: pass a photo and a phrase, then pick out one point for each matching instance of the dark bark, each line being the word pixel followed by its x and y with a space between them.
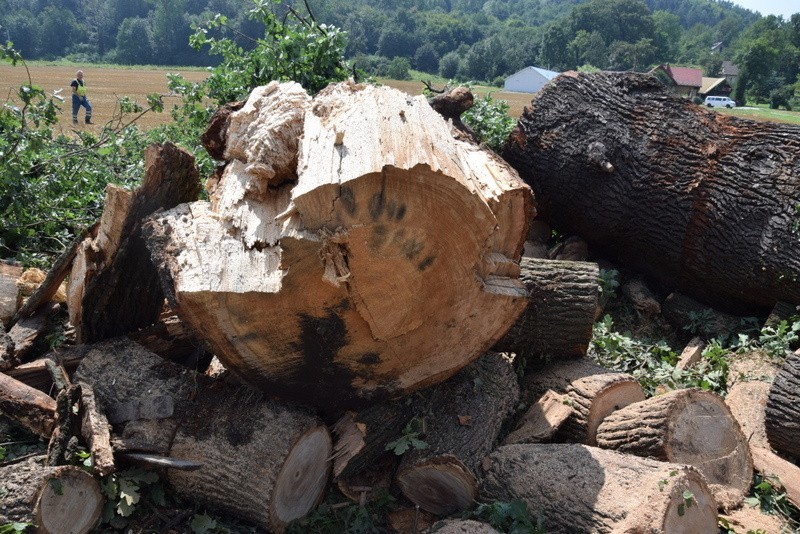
pixel 783 409
pixel 27 406
pixel 562 298
pixel 699 201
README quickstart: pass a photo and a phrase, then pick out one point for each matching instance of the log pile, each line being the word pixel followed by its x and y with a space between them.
pixel 358 275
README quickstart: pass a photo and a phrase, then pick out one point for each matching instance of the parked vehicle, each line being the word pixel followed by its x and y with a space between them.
pixel 719 102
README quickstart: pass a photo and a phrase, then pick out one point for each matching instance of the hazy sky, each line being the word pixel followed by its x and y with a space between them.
pixel 771 7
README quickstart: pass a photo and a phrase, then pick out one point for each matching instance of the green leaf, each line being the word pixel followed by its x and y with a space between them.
pixel 752 502
pixel 203 523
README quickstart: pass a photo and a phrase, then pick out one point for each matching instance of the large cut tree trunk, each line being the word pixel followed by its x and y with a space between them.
pixel 57 500
pixel 352 250
pixel 584 489
pixel 113 286
pixel 262 461
pixel 691 427
pixel 27 406
pixel 696 199
pixel 782 420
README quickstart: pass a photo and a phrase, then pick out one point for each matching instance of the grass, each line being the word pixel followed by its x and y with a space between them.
pixel 761 112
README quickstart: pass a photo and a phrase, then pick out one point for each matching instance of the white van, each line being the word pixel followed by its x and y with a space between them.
pixel 719 102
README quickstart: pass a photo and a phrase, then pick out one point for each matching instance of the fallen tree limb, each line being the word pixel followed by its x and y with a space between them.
pixel 782 420
pixel 27 406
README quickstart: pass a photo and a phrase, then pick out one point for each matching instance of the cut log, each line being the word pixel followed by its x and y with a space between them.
pixel 352 250
pixel 372 482
pixel 686 314
pixel 747 402
pixel 57 500
pixel 27 332
pixel 95 433
pixel 462 422
pixel 543 420
pixel 591 391
pixel 170 338
pixel 695 199
pixel 783 409
pixel 114 287
pixel 35 373
pixel 264 462
pixel 583 489
pixel 643 300
pixel 572 249
pixel 691 427
pixel 783 311
pixel 27 406
pixel 691 354
pixel 557 322
pixel 9 294
pixel 7 358
pixel 463 526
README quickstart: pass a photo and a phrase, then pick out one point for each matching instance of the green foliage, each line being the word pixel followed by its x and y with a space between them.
pixel 776 341
pixel 398 69
pixel 16 528
pixel 489 119
pixel 335 516
pixel 510 517
pixel 124 490
pixel 410 438
pixel 771 500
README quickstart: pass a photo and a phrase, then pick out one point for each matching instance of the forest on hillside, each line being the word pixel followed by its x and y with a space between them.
pixel 480 40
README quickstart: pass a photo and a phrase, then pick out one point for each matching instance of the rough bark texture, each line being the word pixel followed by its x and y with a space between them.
pixel 262 461
pixel 783 409
pixel 592 392
pixel 352 250
pixel 9 294
pixel 114 288
pixel 27 333
pixel 95 433
pixel 462 420
pixel 691 427
pixel 583 489
pixel 686 314
pixel 58 500
pixel 562 298
pixel 171 338
pixel 698 200
pixel 463 526
pixel 35 373
pixel 27 406
pixel 543 420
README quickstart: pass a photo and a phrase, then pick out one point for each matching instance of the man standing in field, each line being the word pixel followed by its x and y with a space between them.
pixel 79 98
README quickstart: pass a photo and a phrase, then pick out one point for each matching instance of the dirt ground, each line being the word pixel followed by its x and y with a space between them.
pixel 104 87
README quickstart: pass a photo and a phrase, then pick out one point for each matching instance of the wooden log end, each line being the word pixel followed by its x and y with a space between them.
pixel 70 501
pixel 441 485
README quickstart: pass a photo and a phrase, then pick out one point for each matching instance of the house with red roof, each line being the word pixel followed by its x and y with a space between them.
pixel 684 81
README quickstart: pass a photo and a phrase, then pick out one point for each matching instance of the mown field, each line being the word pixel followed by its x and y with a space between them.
pixel 107 84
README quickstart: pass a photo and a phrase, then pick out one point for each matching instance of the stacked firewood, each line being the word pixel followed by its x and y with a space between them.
pixel 386 314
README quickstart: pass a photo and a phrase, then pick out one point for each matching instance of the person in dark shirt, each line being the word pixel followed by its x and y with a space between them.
pixel 79 98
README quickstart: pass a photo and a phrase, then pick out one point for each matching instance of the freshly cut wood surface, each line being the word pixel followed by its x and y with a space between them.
pixel 265 462
pixel 463 417
pixel 578 488
pixel 592 392
pixel 783 409
pixel 543 419
pixel 57 500
pixel 352 250
pixel 9 294
pixel 691 427
pixel 557 323
pixel 695 199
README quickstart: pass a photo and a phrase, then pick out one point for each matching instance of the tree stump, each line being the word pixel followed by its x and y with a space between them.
pixel 463 417
pixel 591 391
pixel 782 420
pixel 691 427
pixel 562 298
pixel 57 500
pixel 264 462
pixel 584 489
pixel 697 200
pixel 353 250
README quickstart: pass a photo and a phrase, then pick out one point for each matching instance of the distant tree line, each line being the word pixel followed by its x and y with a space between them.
pixel 481 40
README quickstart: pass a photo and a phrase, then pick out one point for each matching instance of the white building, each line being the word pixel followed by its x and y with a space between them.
pixel 529 80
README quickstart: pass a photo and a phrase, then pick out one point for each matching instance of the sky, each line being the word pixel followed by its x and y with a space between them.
pixel 771 7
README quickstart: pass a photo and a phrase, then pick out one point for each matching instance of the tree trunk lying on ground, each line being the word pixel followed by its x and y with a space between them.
pixel 463 526
pixel 27 406
pixel 562 299
pixel 57 500
pixel 690 427
pixel 113 287
pixel 462 420
pixel 261 461
pixel 352 250
pixel 584 489
pixel 783 409
pixel 591 392
pixel 698 200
